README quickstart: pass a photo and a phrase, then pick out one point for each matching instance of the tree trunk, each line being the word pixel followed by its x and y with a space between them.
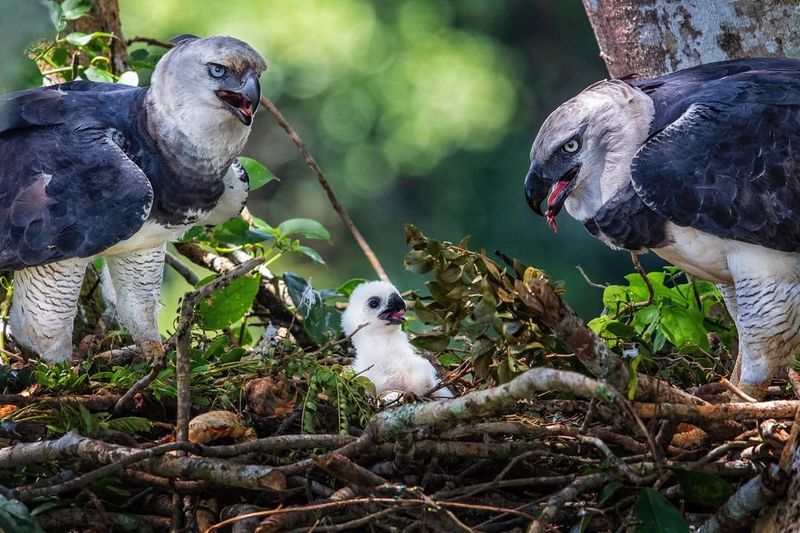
pixel 104 17
pixel 652 37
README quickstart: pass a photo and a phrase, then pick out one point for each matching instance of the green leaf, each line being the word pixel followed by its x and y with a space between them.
pixel 434 342
pixel 312 253
pixel 79 38
pixel 323 323
pixel 657 515
pixel 237 231
pixel 130 424
pixel 296 286
pixel 225 307
pixel 682 327
pixel 305 227
pixel 613 295
pixel 14 516
pixel 349 286
pixel 608 492
pixel 257 173
pixel 702 488
pixel 98 75
pixel 75 9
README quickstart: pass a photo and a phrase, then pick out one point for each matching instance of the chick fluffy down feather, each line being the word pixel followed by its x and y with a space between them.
pixel 383 353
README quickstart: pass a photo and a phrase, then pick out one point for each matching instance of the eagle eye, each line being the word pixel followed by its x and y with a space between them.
pixel 216 71
pixel 374 302
pixel 571 146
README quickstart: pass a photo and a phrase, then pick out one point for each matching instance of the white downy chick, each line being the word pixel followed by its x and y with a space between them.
pixel 383 353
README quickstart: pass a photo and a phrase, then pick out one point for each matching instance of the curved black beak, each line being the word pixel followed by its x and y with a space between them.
pixel 536 187
pixel 242 100
pixel 395 312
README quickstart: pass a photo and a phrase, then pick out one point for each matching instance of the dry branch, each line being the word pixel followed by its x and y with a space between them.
pixel 741 508
pixel 73 445
pixel 696 414
pixel 183 361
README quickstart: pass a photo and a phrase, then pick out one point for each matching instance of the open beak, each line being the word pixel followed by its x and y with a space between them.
pixel 243 100
pixel 538 187
pixel 395 312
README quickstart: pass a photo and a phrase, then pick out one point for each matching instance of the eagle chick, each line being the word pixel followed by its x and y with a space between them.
pixel 383 353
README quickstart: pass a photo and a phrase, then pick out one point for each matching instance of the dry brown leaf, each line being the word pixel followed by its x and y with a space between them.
pixel 215 425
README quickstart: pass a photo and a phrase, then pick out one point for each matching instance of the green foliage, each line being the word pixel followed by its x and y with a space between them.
pixel 476 309
pixel 14 516
pixel 670 329
pixel 322 319
pixel 331 397
pixel 702 488
pixel 657 515
pixel 258 174
pixel 227 306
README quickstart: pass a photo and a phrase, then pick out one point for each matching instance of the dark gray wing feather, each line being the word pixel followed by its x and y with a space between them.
pixel 729 164
pixel 66 189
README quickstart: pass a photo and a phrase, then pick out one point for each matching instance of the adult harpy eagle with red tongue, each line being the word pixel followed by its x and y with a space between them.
pixel 702 167
pixel 96 169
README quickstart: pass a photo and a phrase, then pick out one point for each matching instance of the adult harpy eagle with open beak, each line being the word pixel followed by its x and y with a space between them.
pixel 90 169
pixel 702 167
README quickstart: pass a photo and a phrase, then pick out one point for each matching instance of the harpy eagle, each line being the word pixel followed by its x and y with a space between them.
pixel 92 169
pixel 383 353
pixel 702 167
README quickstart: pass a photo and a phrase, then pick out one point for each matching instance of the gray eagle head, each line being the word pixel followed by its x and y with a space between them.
pixel 583 151
pixel 215 77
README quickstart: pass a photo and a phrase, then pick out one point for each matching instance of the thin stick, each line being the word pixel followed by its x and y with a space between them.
pixel 314 167
pixel 183 361
pixel 736 390
pixel 182 269
pixel 358 501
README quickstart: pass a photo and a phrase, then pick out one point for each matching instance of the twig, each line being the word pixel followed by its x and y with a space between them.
pixel 247 476
pixel 182 335
pixel 143 383
pixel 741 508
pixel 314 167
pixel 640 270
pixel 736 390
pixel 588 280
pixel 181 268
pixel 556 503
pixel 728 411
pixel 148 40
pixel 360 501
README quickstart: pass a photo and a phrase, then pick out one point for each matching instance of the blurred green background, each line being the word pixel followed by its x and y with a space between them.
pixel 418 111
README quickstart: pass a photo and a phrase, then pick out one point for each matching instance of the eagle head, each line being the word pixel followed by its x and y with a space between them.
pixel 216 77
pixel 377 303
pixel 582 153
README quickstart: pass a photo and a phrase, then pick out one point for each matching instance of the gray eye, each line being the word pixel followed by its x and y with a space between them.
pixel 571 146
pixel 374 303
pixel 216 71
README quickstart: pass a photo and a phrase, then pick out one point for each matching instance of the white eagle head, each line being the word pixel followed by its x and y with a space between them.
pixel 204 92
pixel 583 151
pixel 377 303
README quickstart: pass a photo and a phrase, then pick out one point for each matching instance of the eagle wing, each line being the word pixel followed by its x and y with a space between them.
pixel 728 161
pixel 66 188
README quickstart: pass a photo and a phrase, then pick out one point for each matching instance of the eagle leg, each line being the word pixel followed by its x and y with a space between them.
pixel 136 290
pixel 43 308
pixel 768 323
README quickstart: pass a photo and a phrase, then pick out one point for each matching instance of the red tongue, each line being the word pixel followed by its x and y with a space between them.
pixel 558 188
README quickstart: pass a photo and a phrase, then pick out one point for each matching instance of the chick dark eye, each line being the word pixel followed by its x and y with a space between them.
pixel 374 303
pixel 216 71
pixel 571 146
